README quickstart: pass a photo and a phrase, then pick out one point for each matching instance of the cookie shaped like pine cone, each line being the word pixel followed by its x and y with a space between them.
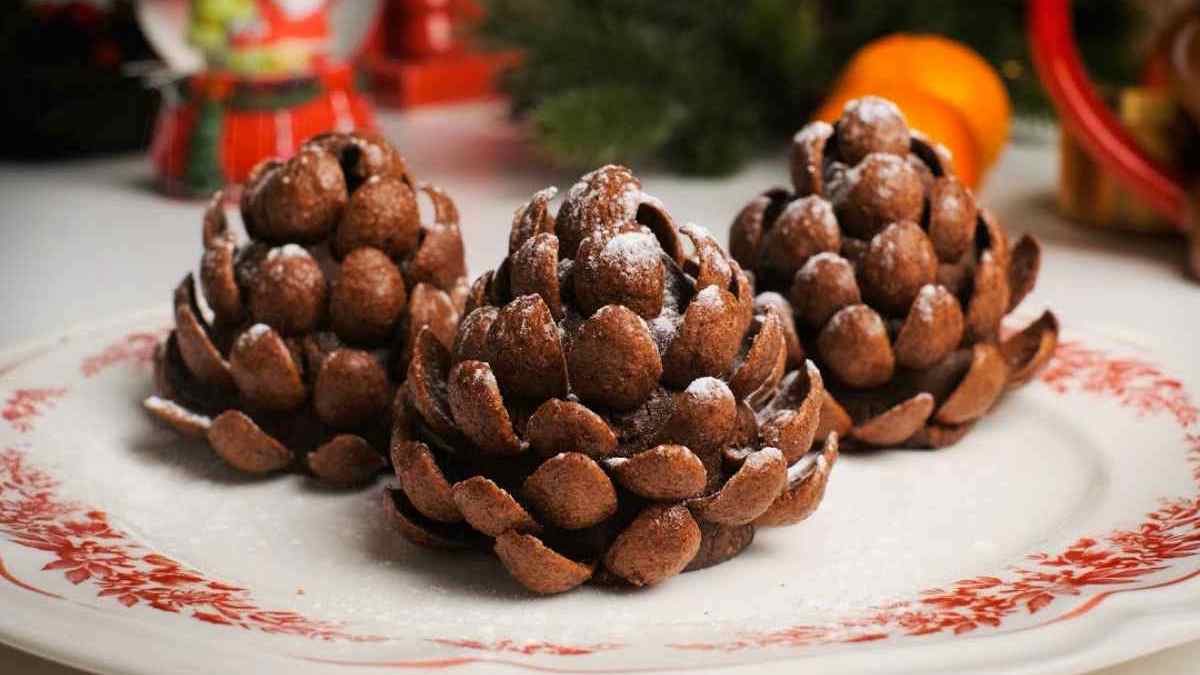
pixel 314 316
pixel 897 280
pixel 613 407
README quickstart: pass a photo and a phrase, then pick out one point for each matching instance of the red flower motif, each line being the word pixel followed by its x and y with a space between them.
pixel 1134 383
pixel 86 548
pixel 135 348
pixel 528 648
pixel 26 404
pixel 1117 559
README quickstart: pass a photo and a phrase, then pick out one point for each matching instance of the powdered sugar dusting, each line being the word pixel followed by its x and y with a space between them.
pixel 170 408
pixel 605 311
pixel 631 252
pixel 663 329
pixel 885 250
pixel 629 199
pixel 483 378
pixel 575 192
pixel 771 298
pixel 816 211
pixel 709 298
pixel 252 335
pixel 708 251
pixel 609 309
pixel 653 201
pixel 542 246
pixel 544 195
pixel 708 389
pixel 888 166
pixel 814 133
pixel 864 317
pixel 758 460
pixel 825 257
pixel 951 202
pixel 839 181
pixel 697 232
pixel 886 169
pixel 288 251
pixel 872 110
pixel 596 187
pixel 924 305
pixel 944 153
pixel 812 266
pixel 524 324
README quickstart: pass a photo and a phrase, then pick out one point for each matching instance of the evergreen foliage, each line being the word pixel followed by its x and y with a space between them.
pixel 701 85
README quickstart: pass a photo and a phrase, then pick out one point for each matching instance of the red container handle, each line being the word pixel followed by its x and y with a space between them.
pixel 1088 119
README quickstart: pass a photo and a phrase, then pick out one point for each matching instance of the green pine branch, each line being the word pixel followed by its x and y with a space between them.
pixel 702 85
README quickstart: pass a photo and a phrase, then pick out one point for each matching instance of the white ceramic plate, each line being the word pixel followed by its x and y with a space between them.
pixel 1053 539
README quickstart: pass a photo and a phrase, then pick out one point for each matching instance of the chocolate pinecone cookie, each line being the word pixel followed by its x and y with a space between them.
pixel 314 314
pixel 897 280
pixel 614 406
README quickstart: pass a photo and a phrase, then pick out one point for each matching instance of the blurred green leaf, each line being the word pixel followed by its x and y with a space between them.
pixel 604 124
pixel 705 84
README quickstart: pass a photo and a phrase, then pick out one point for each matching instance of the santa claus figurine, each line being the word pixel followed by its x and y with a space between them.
pixel 269 82
pixel 261 37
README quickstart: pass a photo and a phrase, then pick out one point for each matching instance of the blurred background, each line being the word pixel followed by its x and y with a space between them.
pixel 697 88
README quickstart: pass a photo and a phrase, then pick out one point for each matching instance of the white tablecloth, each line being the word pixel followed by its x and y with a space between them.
pixel 84 240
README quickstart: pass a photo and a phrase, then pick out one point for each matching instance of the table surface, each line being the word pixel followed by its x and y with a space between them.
pixel 84 240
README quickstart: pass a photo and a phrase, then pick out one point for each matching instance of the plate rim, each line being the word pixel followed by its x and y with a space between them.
pixel 1088 653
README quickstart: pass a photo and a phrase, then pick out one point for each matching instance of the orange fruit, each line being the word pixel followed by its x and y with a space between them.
pixel 943 68
pixel 938 120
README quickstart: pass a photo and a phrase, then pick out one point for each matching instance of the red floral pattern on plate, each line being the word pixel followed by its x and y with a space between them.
pixel 1134 383
pixel 529 648
pixel 1117 559
pixel 24 405
pixel 86 548
pixel 137 348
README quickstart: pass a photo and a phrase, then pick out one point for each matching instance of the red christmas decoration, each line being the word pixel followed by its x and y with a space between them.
pixel 417 54
pixel 269 83
pixel 1100 132
pixel 223 125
